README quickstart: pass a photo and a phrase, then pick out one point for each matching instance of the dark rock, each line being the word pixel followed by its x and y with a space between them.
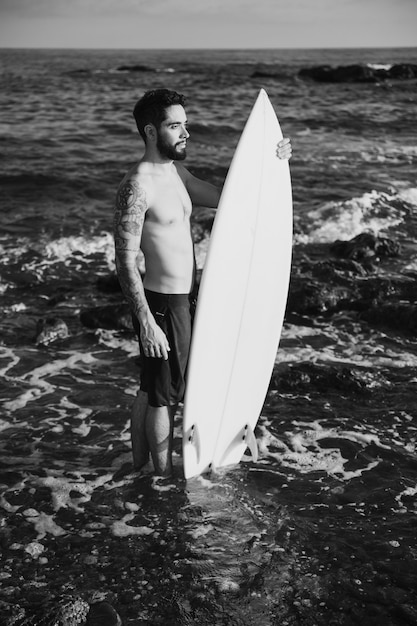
pixel 103 614
pixel 401 316
pixel 110 317
pixel 335 269
pixel 341 74
pixel 307 296
pixel 378 289
pixel 361 73
pixel 366 246
pixel 50 329
pixel 403 71
pixel 108 284
pixel 324 378
pixel 135 68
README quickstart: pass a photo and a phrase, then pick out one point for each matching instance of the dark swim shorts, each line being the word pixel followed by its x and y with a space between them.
pixel 164 381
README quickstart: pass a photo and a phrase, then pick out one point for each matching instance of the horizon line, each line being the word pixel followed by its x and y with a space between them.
pixel 220 48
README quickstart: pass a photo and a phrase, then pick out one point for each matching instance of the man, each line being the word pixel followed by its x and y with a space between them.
pixel 153 207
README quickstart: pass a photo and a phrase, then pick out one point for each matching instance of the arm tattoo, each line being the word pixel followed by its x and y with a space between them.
pixel 129 217
pixel 130 210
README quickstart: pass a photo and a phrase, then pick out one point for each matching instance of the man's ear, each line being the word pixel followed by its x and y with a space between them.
pixel 150 131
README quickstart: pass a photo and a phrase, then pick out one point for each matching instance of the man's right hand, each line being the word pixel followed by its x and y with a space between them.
pixel 154 341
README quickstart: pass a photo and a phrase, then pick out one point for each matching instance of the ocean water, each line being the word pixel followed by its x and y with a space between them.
pixel 322 530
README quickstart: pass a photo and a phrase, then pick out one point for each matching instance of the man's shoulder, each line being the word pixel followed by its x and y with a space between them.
pixel 138 178
pixel 136 174
pixel 134 189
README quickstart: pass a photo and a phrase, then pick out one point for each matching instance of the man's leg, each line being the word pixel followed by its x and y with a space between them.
pixel 140 446
pixel 159 431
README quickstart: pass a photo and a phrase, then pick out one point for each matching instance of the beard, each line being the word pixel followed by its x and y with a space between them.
pixel 170 152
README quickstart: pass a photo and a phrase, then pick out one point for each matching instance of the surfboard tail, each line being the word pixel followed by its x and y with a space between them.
pixel 244 438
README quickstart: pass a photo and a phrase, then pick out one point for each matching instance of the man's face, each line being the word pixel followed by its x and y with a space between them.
pixel 172 135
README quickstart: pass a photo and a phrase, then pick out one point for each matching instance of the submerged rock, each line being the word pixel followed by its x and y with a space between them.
pixel 110 317
pixel 68 612
pixel 400 316
pixel 103 614
pixel 50 329
pixel 108 284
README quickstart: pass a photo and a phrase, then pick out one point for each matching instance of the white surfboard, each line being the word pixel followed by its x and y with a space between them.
pixel 241 302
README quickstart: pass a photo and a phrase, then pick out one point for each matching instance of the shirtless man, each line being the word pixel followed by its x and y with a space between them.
pixel 153 207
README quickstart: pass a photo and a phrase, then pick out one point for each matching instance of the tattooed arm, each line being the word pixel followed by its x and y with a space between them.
pixel 131 207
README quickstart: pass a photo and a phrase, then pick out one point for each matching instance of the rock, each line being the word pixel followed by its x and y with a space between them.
pixel 109 284
pixel 366 246
pixel 307 297
pixel 110 317
pixel 135 68
pixel 341 74
pixel 50 329
pixel 35 549
pixel 403 71
pixel 401 316
pixel 103 614
pixel 325 377
pixel 331 270
pixel 361 73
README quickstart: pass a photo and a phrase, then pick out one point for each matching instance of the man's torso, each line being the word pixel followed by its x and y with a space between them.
pixel 166 236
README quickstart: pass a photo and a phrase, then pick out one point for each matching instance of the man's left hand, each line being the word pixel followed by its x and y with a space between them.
pixel 284 148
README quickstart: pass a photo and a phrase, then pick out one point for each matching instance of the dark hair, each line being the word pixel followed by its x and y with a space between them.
pixel 150 109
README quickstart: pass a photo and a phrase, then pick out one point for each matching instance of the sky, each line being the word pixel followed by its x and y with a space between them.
pixel 207 23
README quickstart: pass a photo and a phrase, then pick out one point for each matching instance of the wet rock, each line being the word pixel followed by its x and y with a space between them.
pixel 324 378
pixel 50 329
pixel 64 612
pixel 336 269
pixel 359 73
pixel 103 614
pixel 109 317
pixel 308 297
pixel 109 284
pixel 400 316
pixel 366 246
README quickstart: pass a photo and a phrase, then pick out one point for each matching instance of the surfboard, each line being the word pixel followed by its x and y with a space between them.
pixel 241 301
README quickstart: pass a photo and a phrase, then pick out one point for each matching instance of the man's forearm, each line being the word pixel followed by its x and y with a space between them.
pixel 133 290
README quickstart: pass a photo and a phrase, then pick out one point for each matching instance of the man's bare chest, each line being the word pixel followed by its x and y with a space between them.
pixel 170 202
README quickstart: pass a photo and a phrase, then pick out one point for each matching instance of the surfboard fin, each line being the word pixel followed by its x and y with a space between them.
pixel 193 438
pixel 247 436
pixel 251 442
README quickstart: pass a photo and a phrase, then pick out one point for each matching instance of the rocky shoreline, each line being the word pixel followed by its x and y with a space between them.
pixel 348 279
